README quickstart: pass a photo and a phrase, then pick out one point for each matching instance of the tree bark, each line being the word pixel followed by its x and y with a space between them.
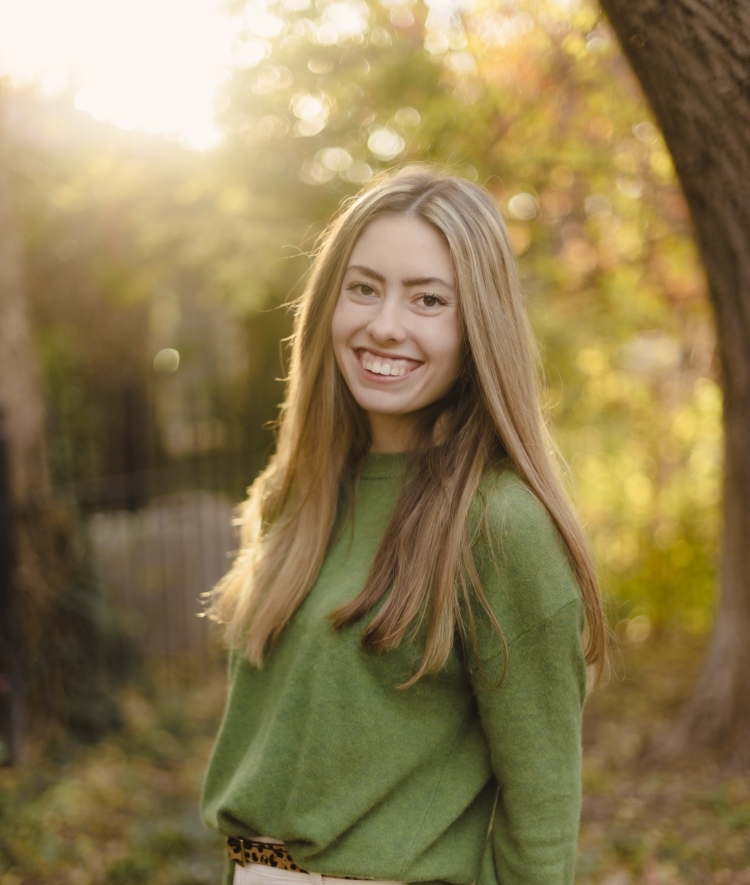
pixel 692 58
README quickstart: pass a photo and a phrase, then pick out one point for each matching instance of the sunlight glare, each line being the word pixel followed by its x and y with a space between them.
pixel 146 64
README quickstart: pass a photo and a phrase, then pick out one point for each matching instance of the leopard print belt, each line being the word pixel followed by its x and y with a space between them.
pixel 270 854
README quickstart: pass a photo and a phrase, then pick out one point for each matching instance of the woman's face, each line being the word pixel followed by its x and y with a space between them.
pixel 396 326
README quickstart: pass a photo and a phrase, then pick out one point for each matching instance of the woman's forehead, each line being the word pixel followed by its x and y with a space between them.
pixel 406 247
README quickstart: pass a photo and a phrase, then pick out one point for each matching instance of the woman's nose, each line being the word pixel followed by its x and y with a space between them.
pixel 387 324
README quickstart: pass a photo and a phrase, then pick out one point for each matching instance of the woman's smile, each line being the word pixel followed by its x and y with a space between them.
pixel 383 365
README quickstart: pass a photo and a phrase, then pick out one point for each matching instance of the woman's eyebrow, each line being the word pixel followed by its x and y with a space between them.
pixel 367 271
pixel 426 281
pixel 407 281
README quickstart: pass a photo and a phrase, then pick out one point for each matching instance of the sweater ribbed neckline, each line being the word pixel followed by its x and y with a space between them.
pixel 382 465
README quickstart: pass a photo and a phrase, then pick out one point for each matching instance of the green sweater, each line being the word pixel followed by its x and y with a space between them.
pixel 320 748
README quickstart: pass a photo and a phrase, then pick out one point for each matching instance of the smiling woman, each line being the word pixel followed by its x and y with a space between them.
pixel 406 613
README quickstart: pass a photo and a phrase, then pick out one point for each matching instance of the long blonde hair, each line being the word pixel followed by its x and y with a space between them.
pixel 492 416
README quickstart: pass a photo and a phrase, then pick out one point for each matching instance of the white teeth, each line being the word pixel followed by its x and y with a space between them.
pixel 382 368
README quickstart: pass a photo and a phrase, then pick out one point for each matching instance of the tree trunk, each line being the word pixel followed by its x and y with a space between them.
pixel 41 542
pixel 692 58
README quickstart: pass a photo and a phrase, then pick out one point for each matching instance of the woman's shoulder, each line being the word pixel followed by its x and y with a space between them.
pixel 505 504
pixel 519 554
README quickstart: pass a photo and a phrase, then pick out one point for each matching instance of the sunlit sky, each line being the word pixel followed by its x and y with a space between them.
pixel 151 64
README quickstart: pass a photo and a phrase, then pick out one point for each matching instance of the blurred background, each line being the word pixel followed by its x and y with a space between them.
pixel 167 168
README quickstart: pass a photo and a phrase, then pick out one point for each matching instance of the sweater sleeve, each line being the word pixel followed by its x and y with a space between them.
pixel 530 692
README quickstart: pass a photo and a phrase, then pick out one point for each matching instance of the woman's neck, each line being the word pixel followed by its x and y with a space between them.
pixel 391 433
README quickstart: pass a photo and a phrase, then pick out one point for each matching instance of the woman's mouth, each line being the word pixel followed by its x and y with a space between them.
pixel 386 365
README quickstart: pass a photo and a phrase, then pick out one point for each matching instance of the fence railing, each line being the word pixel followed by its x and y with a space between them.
pixel 156 540
pixel 155 564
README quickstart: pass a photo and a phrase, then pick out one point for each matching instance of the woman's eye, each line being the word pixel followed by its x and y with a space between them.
pixel 431 300
pixel 361 288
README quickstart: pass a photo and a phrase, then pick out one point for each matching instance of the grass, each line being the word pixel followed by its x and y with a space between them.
pixel 125 810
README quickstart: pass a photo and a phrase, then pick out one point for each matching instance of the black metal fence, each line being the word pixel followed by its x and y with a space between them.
pixel 159 525
pixel 157 536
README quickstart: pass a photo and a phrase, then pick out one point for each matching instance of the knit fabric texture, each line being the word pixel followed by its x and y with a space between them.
pixel 471 775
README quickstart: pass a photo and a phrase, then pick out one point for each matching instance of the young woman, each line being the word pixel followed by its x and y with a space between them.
pixel 407 609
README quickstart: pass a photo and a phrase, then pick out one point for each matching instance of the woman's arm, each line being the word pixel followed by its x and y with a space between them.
pixel 532 719
pixel 533 725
